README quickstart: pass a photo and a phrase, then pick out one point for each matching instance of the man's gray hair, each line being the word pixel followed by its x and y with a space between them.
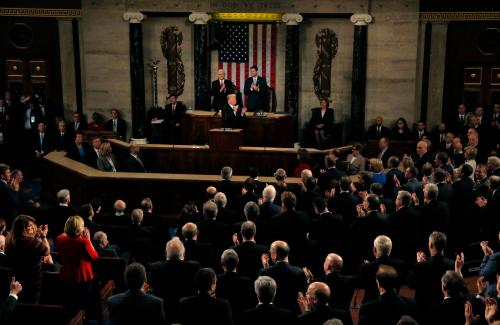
pixel 62 195
pixel 226 172
pixel 432 191
pixel 210 210
pixel 100 237
pixel 175 249
pixel 494 162
pixel 137 216
pixel 230 259
pixel 269 193
pixel 265 288
pixel 251 210
pixel 220 200
pixel 405 198
pixel 383 245
pixel 333 321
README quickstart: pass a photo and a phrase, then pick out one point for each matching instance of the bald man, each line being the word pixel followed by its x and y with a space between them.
pixel 422 156
pixel 220 89
pixel 195 251
pixel 341 286
pixel 377 130
pixel 315 306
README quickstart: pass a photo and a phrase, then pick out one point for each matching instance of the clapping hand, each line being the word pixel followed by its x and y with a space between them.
pixel 481 202
pixel 382 208
pixel 265 260
pixel 421 257
pixel 308 274
pixel 303 303
pixel 15 287
pixel 490 310
pixel 481 285
pixel 459 263
pixel 235 239
pixel 244 110
pixel 415 199
pixel 486 249
pixel 360 210
pixel 469 317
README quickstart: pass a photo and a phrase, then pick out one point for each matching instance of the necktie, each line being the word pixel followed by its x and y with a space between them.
pixel 442 138
pixel 114 125
pixel 139 161
pixel 378 130
pixel 461 119
pixel 221 82
pixel 41 141
pixel 173 108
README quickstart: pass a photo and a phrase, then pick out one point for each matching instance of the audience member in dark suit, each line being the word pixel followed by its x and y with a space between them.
pixel 439 138
pixel 254 174
pixel 78 124
pixel 331 173
pixel 237 289
pixel 213 231
pixel 289 279
pixel 377 130
pixel 388 308
pixel 10 303
pixel 321 122
pixel 291 226
pixel 435 215
pixel 9 194
pixel 4 259
pixel 382 247
pixel 341 286
pixel 41 141
pixel 344 203
pixel 257 91
pixel 151 219
pixel 445 190
pixel 226 186
pixel 462 206
pixel 403 229
pixel 61 139
pixel 315 306
pixel 366 227
pixel 116 124
pixel 247 195
pixel 308 193
pixel 249 252
pixel 103 247
pixel 233 116
pixel 173 278
pixel 266 313
pixel 224 215
pixel 204 308
pixel 220 89
pixel 384 151
pixel 134 162
pixel 390 188
pixel 412 185
pixel 422 156
pixel 79 150
pixel 134 306
pixel 135 231
pixel 339 163
pixel 451 309
pixel 268 209
pixel 174 112
pixel 60 213
pixel 328 231
pixel 93 152
pixel 421 133
pixel 426 275
pixel 195 251
pixel 459 120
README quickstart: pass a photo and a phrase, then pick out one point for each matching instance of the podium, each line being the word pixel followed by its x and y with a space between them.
pixel 225 139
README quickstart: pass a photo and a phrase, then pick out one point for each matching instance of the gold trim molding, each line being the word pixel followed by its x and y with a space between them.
pixel 460 16
pixel 247 16
pixel 40 12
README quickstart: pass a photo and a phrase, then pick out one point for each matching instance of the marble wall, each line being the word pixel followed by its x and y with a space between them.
pixel 67 66
pixel 393 45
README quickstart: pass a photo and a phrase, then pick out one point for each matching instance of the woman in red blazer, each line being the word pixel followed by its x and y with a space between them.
pixel 76 252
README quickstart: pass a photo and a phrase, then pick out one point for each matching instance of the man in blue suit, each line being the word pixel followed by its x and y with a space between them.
pixel 256 89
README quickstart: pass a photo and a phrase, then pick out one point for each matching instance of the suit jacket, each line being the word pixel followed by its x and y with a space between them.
pixel 344 204
pixel 202 253
pixel 320 315
pixel 44 145
pixel 422 160
pixel 92 157
pixel 385 155
pixel 121 127
pixel 7 308
pixel 135 308
pixel 290 280
pixel 74 153
pixel 104 165
pixel 425 278
pixel 76 255
pixel 220 97
pixel 292 226
pixel 60 142
pixel 330 174
pixel 341 288
pixel 203 309
pixel 490 267
pixel 404 231
pixel 4 260
pixel 231 120
pixel 230 189
pixel 9 201
pixel 424 135
pixel 387 309
pixel 413 186
pixel 364 230
pixel 357 165
pixel 445 194
pixel 57 219
pixel 328 230
pixel 448 311
pixel 372 133
pixel 435 216
pixel 257 100
pixel 366 275
pixel 327 119
pixel 390 186
pixel 266 314
pixel 172 280
pixel 236 289
pixel 216 233
pixel 176 116
pixel 134 166
pixel 268 210
pixel 71 127
pixel 249 254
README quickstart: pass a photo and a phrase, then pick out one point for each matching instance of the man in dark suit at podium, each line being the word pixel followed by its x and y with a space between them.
pixel 256 89
pixel 233 116
pixel 174 113
pixel 220 89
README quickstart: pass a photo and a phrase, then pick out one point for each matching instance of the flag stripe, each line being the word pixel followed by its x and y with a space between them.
pixel 263 51
pixel 273 55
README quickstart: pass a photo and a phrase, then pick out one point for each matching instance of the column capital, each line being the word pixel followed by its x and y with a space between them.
pixel 199 18
pixel 292 19
pixel 361 19
pixel 134 17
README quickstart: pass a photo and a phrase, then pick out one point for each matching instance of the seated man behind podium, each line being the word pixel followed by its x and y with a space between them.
pixel 233 116
pixel 321 122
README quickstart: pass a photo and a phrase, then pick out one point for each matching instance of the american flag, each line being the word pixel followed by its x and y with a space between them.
pixel 243 45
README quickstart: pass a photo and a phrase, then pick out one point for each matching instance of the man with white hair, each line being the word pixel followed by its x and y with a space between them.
pixel 493 165
pixel 267 207
pixel 119 217
pixel 173 278
pixel 212 230
pixel 226 186
pixel 224 214
pixel 60 213
pixel 220 89
pixel 266 313
pixel 135 230
pixel 435 215
pixel 382 247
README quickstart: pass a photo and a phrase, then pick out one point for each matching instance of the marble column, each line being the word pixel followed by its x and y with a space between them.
pixel 359 58
pixel 292 68
pixel 201 60
pixel 136 73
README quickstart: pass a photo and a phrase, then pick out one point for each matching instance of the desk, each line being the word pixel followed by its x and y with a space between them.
pixel 271 130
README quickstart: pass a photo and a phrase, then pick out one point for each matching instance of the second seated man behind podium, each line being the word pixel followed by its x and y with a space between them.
pixel 233 116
